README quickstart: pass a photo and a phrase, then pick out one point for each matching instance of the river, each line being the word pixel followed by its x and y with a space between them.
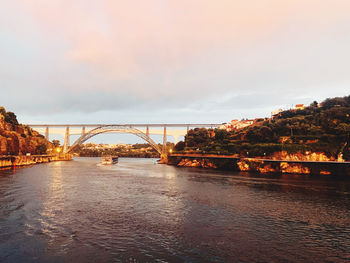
pixel 140 211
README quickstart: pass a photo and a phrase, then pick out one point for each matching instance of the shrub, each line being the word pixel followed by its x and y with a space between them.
pixel 41 149
pixel 11 118
pixel 180 146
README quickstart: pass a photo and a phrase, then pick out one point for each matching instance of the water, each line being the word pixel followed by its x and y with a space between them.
pixel 138 211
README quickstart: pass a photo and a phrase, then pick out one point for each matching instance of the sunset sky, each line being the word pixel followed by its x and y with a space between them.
pixel 113 61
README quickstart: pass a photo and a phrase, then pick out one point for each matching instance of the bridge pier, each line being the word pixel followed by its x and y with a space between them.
pixel 47 133
pixel 66 140
pixel 164 154
pixel 164 150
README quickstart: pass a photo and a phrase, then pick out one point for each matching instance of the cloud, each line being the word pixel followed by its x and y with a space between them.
pixel 200 55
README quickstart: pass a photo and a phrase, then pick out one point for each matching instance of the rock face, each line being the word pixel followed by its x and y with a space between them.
pixel 308 156
pixel 203 163
pixel 20 140
pixel 294 164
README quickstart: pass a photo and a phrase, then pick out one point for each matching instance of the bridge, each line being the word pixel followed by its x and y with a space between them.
pixel 143 131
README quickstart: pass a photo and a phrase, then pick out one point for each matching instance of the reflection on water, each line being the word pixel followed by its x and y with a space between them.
pixel 139 211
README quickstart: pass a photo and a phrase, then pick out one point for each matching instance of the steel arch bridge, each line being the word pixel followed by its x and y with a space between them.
pixel 118 128
pixel 141 130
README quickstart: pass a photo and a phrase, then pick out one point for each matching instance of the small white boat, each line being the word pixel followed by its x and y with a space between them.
pixel 107 160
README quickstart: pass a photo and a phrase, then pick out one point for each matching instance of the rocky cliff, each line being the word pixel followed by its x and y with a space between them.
pixel 317 164
pixel 17 139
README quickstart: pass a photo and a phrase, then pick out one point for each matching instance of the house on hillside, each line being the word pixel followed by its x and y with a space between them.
pixel 236 125
pixel 299 107
pixel 275 113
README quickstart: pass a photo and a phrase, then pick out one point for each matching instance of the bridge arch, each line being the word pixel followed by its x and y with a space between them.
pixel 116 128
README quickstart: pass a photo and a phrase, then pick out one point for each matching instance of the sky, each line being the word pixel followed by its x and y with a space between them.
pixel 169 61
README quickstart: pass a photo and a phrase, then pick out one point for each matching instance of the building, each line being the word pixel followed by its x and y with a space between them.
pixel 275 113
pixel 299 107
pixel 236 125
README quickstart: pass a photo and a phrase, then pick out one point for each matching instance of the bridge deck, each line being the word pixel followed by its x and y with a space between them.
pixel 129 125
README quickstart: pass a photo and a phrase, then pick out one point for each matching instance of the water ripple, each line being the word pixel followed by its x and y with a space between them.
pixel 137 211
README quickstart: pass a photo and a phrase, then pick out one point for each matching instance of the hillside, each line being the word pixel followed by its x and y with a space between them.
pixel 123 150
pixel 320 128
pixel 17 139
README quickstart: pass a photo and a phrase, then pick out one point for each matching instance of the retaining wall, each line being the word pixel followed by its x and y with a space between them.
pixel 13 161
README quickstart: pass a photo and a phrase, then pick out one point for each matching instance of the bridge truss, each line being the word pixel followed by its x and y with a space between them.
pixel 121 128
pixel 116 128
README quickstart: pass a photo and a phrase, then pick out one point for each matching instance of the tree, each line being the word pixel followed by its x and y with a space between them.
pixel 221 135
pixel 343 128
pixel 180 146
pixel 314 104
pixel 11 118
pixel 41 149
pixel 56 143
pixel 266 133
pixel 197 137
pixel 2 111
pixel 339 101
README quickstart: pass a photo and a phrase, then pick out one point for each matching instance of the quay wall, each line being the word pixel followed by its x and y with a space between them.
pixel 14 161
pixel 261 165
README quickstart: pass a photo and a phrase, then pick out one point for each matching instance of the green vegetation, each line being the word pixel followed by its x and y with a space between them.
pixel 41 148
pixel 318 128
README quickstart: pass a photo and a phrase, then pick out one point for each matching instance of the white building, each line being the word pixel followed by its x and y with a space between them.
pixel 236 125
pixel 275 113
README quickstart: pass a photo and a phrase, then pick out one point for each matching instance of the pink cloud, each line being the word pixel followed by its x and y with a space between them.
pixel 164 47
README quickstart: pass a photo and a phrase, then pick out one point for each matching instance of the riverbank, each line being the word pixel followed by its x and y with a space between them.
pixel 226 162
pixel 15 161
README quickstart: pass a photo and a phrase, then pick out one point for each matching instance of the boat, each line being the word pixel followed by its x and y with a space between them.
pixel 106 160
